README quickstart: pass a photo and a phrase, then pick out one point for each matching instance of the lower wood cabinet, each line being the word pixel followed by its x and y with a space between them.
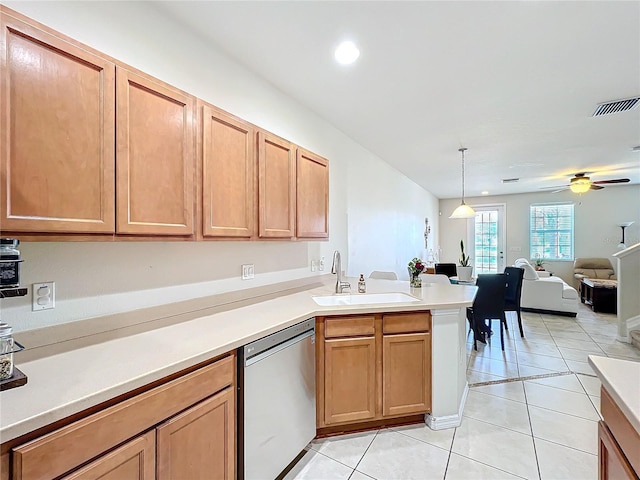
pixel 350 379
pixel 406 373
pixel 618 443
pixel 135 460
pixel 199 443
pixel 181 429
pixel 372 367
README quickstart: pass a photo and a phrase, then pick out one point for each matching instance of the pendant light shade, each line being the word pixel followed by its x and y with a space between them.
pixel 464 210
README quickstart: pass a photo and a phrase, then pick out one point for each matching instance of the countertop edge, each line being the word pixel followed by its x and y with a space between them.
pixel 299 313
pixel 611 381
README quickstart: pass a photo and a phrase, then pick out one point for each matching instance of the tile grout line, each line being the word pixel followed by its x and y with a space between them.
pixel 520 379
pixel 533 438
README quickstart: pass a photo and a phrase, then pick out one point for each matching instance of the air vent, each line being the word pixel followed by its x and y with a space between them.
pixel 616 106
pixel 510 180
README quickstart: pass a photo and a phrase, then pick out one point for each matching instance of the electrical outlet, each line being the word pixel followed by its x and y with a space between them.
pixel 314 265
pixel 248 271
pixel 44 296
pixel 321 264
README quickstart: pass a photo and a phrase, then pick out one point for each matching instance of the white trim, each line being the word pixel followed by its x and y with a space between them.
pixel 632 323
pixel 448 421
pixel 627 251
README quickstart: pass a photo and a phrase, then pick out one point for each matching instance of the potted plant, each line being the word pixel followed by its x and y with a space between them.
pixel 415 267
pixel 464 270
pixel 538 263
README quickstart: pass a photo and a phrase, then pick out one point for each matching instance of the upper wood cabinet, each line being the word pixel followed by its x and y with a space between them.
pixel 155 157
pixel 57 130
pixel 276 186
pixel 227 173
pixel 312 195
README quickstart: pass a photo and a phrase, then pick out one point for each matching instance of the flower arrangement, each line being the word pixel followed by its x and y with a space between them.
pixel 464 259
pixel 416 266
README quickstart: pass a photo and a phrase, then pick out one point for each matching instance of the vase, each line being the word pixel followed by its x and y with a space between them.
pixel 464 273
pixel 415 281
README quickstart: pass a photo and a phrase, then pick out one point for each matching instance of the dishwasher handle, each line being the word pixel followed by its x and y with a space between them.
pixel 267 353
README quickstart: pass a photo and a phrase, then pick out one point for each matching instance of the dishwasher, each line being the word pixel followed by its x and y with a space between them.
pixel 276 400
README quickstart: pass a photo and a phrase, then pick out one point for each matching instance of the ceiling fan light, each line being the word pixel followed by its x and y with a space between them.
pixel 580 185
pixel 463 211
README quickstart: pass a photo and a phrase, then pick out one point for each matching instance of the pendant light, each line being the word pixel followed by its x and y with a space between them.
pixel 464 210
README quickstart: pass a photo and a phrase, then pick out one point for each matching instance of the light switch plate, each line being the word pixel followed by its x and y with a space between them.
pixel 43 296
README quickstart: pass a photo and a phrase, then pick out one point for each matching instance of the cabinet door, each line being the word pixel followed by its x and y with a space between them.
pixel 57 130
pixel 228 161
pixel 612 462
pixel 199 444
pixel 350 373
pixel 406 374
pixel 312 195
pixel 135 460
pixel 155 165
pixel 276 186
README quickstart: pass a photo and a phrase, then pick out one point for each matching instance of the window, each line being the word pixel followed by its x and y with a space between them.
pixel 551 231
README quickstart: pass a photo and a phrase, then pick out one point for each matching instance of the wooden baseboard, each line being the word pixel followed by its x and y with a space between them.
pixel 365 426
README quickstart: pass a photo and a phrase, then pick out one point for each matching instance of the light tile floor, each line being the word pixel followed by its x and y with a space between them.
pixel 532 412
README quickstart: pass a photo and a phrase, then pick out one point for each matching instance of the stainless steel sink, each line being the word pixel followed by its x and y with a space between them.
pixel 364 299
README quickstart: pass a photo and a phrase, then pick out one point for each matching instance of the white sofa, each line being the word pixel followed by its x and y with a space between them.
pixel 542 292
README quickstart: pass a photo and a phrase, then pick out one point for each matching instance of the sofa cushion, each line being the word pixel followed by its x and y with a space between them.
pixel 529 272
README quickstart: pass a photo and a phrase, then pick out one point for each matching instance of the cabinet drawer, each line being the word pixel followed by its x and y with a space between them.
pixel 62 450
pixel 406 322
pixel 349 326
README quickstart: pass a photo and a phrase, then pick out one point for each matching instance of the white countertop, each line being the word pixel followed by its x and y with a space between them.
pixel 69 382
pixel 621 378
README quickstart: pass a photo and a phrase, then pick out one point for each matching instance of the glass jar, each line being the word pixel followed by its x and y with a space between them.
pixel 9 263
pixel 6 351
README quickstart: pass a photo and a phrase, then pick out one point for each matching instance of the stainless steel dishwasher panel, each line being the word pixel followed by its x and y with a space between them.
pixel 279 402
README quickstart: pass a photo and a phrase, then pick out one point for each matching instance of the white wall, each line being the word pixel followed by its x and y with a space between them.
pixel 94 279
pixel 386 221
pixel 597 214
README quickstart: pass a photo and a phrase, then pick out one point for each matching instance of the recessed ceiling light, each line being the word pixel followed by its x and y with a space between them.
pixel 347 53
pixel 484 192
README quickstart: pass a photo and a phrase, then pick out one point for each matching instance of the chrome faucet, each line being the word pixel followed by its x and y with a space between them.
pixel 337 269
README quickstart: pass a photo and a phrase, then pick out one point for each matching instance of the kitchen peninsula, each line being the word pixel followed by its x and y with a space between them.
pixel 79 381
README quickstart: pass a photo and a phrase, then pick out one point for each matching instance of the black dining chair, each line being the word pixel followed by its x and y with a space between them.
pixel 448 269
pixel 514 277
pixel 488 305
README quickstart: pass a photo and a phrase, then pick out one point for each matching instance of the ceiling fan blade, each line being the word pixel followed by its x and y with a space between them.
pixel 564 187
pixel 561 189
pixel 616 180
pixel 596 187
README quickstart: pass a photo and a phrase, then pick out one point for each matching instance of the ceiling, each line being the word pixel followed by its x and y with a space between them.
pixel 514 82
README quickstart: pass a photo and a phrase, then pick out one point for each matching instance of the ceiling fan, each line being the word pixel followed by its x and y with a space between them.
pixel 580 183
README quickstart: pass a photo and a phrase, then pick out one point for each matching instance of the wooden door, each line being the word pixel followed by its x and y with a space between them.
pixel 199 444
pixel 406 374
pixel 276 186
pixel 312 195
pixel 349 383
pixel 228 166
pixel 155 163
pixel 57 131
pixel 135 460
